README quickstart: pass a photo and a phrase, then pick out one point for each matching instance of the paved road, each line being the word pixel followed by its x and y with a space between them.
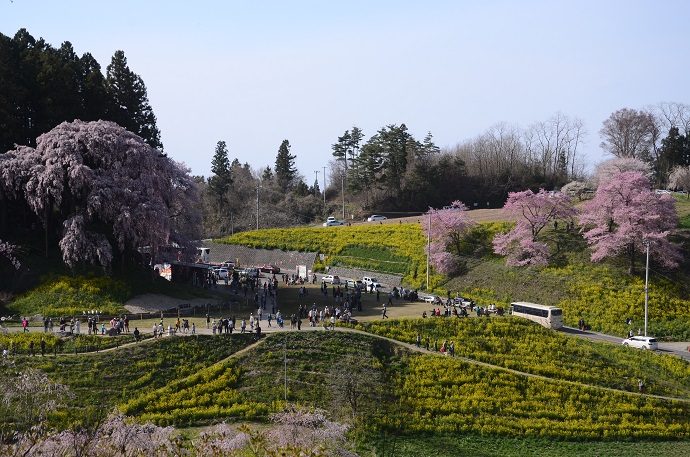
pixel 679 349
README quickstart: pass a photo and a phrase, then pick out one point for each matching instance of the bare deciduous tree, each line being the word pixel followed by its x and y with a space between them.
pixel 630 133
pixel 554 143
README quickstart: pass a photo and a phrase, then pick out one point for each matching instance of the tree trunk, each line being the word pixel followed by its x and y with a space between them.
pixel 631 254
pixel 46 225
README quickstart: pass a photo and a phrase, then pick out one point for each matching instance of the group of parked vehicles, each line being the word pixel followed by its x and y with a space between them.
pixel 226 269
pixel 366 281
pixel 332 221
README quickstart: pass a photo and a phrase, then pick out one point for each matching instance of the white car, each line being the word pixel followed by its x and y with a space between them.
pixel 332 223
pixel 331 279
pixel 222 272
pixel 641 342
pixel 376 217
pixel 429 299
pixel 354 283
pixel 461 301
pixel 369 280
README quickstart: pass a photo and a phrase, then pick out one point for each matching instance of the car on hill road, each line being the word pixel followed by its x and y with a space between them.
pixel 332 223
pixel 331 279
pixel 270 269
pixel 376 217
pixel 355 283
pixel 369 281
pixel 641 342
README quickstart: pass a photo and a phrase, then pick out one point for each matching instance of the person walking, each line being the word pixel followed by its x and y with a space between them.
pixel 43 347
pixel 383 313
pixel 25 324
pixel 419 340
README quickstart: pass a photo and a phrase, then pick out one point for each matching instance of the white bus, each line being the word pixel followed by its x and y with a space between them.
pixel 548 316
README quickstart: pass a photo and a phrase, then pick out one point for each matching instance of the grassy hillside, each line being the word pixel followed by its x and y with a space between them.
pixel 392 396
pixel 391 248
pixel 603 294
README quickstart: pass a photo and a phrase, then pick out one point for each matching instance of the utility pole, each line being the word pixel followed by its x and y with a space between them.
pixel 646 288
pixel 428 251
pixel 342 186
pixel 258 186
pixel 324 187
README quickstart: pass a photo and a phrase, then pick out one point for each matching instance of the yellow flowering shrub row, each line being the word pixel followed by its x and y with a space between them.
pixel 522 345
pixel 601 294
pixel 404 240
pixel 605 300
pixel 208 394
pixel 447 395
pixel 71 296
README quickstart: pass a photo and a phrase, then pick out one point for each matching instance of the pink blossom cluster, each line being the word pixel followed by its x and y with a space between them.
pixel 7 251
pixel 532 212
pixel 447 228
pixel 107 187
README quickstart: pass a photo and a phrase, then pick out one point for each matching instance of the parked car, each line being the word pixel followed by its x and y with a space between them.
pixel 429 299
pixel 332 223
pixel 270 269
pixel 331 279
pixel 376 217
pixel 222 272
pixel 251 272
pixel 355 283
pixel 369 280
pixel 228 264
pixel 461 301
pixel 641 342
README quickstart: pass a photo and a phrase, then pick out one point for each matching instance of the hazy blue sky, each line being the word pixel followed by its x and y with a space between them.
pixel 253 73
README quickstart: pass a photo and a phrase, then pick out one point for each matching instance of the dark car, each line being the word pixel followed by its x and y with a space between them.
pixel 270 269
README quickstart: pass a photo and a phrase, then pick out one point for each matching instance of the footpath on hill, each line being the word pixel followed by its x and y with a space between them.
pixel 409 346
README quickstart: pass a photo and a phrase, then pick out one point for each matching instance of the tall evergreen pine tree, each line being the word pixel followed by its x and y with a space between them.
pixel 285 166
pixel 131 108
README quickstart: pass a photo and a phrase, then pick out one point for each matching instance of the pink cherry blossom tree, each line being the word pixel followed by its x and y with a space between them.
pixel 7 251
pixel 447 229
pixel 109 190
pixel 679 178
pixel 532 212
pixel 609 169
pixel 624 215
